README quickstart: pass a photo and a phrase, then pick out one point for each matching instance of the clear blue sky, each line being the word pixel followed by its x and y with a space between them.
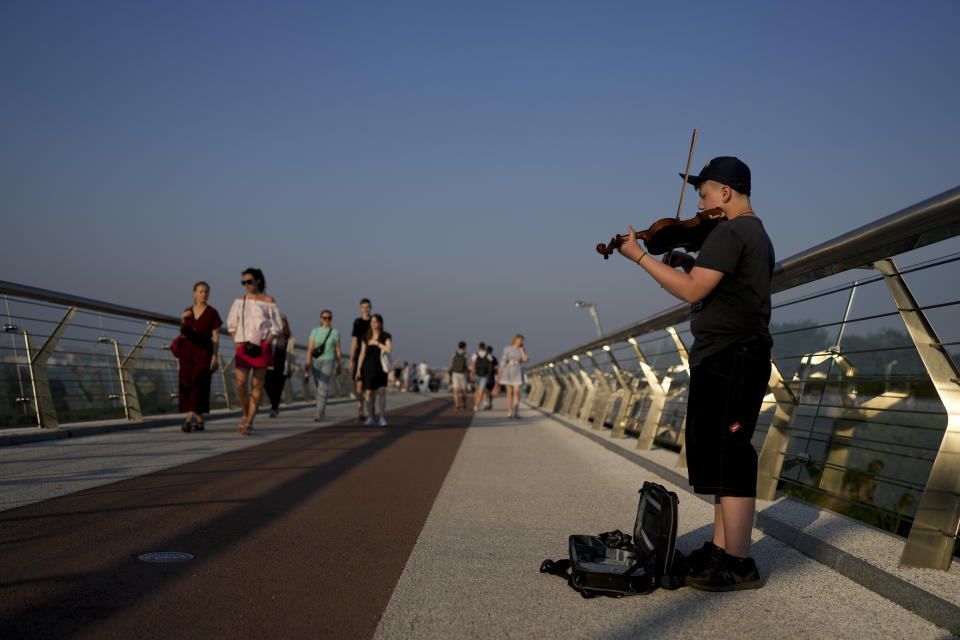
pixel 454 161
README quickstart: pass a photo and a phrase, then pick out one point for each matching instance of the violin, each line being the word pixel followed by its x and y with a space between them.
pixel 668 234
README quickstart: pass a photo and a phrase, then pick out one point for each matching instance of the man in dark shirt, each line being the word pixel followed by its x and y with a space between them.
pixel 728 286
pixel 360 327
pixel 491 379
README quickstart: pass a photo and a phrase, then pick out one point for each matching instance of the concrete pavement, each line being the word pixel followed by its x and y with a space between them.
pixel 514 491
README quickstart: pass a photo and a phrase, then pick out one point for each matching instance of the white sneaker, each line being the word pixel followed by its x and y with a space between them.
pixel 383 421
pixel 369 421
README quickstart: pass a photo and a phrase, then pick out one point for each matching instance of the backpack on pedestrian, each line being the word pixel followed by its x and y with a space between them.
pixel 459 363
pixel 482 366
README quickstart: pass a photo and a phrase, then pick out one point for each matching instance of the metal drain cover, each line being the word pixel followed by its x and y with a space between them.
pixel 165 556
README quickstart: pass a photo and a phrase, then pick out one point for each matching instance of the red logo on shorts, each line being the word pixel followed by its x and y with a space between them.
pixel 735 427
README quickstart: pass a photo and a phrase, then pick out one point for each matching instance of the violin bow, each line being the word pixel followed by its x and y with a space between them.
pixel 686 175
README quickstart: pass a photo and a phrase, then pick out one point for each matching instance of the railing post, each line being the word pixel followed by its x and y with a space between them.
pixel 602 396
pixel 685 359
pixel 44 408
pixel 622 393
pixel 934 531
pixel 586 403
pixel 571 402
pixel 228 378
pixel 536 386
pixel 658 392
pixel 543 377
pixel 223 378
pixel 774 448
pixel 556 388
pixel 847 414
pixel 128 388
pixel 630 394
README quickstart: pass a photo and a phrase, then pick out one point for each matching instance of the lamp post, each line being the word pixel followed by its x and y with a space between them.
pixel 580 304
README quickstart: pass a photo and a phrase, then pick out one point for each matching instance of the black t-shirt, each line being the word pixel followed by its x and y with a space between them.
pixel 360 327
pixel 738 308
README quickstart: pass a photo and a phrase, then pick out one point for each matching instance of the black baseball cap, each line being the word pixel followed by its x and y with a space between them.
pixel 725 170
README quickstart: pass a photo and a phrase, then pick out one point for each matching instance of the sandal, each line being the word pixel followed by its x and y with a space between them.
pixel 198 425
pixel 244 429
pixel 187 427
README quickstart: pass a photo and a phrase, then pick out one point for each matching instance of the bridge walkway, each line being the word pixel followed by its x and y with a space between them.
pixel 433 527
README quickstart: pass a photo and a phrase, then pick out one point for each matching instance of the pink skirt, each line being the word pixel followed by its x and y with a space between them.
pixel 246 362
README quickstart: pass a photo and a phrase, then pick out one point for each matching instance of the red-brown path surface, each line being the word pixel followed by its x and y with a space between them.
pixel 303 537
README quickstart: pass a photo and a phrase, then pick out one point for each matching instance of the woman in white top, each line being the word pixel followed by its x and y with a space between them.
pixel 254 324
pixel 511 373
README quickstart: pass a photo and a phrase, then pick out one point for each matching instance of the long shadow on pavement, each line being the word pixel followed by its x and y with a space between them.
pixel 325 520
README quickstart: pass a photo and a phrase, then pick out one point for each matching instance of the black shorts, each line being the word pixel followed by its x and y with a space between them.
pixel 726 391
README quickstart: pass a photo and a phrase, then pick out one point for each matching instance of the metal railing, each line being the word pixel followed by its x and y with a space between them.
pixel 65 358
pixel 862 413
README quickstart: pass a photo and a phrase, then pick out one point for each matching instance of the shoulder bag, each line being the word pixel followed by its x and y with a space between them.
pixel 177 345
pixel 318 350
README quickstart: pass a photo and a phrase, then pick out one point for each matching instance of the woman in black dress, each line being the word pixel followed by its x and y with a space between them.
pixel 282 368
pixel 372 372
pixel 199 327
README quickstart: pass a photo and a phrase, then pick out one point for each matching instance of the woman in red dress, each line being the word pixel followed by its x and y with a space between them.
pixel 200 326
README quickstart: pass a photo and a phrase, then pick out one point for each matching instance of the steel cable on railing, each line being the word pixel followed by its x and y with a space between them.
pixel 16 360
pixel 836 496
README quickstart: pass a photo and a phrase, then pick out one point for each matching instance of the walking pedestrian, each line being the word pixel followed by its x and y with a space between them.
pixel 360 327
pixel 197 347
pixel 254 324
pixel 493 387
pixel 323 357
pixel 423 377
pixel 511 373
pixel 283 361
pixel 480 369
pixel 458 376
pixel 405 376
pixel 372 368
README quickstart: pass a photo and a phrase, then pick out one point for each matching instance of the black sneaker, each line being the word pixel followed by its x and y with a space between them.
pixel 361 418
pixel 704 558
pixel 728 574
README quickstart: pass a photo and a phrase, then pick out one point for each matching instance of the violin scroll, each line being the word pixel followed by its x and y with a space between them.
pixel 606 250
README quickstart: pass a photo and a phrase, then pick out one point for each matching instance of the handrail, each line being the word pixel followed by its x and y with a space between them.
pixel 927 222
pixel 123 363
pixel 46 295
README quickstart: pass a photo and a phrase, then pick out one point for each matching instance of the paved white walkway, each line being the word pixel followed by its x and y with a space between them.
pixel 514 493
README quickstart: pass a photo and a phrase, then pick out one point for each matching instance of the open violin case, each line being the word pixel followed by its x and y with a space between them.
pixel 617 564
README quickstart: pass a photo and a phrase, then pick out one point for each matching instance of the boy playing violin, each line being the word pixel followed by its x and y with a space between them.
pixel 728 286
